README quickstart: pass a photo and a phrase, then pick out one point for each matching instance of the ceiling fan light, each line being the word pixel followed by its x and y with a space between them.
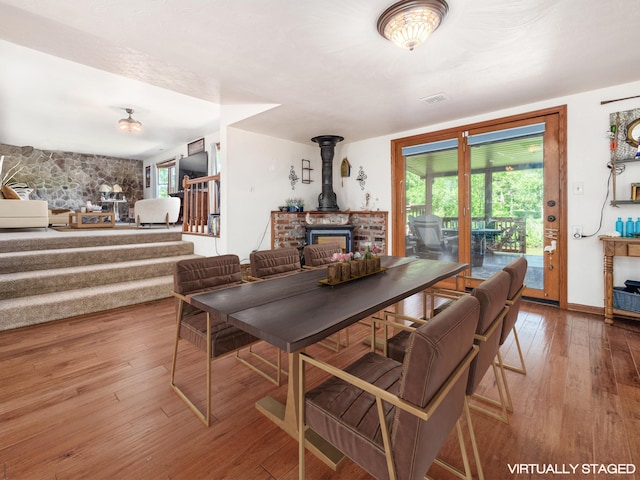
pixel 409 23
pixel 129 124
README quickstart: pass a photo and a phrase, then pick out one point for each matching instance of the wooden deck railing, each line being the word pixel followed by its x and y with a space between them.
pixel 200 207
pixel 512 238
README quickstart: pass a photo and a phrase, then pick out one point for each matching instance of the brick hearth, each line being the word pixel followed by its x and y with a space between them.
pixel 288 228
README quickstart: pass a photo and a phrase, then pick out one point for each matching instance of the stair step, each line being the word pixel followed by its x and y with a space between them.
pixel 89 239
pixel 50 277
pixel 22 284
pixel 34 309
pixel 22 261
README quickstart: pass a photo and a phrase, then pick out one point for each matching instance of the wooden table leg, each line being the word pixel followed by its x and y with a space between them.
pixel 608 289
pixel 286 417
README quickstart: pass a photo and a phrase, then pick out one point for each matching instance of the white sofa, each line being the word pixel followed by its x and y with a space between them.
pixel 24 213
pixel 157 210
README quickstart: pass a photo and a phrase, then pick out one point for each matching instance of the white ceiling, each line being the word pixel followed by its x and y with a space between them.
pixel 70 67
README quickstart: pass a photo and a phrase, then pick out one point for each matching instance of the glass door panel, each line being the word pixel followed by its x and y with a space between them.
pixel 496 190
pixel 432 199
pixel 507 191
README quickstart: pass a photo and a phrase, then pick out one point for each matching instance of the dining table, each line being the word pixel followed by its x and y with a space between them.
pixel 296 311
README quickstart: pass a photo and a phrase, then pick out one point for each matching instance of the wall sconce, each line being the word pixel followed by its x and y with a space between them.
pixel 361 178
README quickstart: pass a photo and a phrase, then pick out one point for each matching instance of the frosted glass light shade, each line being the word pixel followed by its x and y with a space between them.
pixel 409 23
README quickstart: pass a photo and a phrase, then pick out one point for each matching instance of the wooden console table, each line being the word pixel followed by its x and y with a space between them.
pixel 621 247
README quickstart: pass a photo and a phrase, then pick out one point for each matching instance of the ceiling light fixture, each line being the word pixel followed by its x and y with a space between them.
pixel 129 124
pixel 408 23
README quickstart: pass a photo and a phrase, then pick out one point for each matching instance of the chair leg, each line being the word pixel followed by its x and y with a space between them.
pixel 474 443
pixel 504 405
pixel 466 475
pixel 204 417
pixel 277 378
pixel 522 369
pixel 504 382
pixel 335 344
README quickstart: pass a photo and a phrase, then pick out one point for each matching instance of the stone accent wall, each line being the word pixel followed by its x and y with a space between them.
pixel 288 228
pixel 68 179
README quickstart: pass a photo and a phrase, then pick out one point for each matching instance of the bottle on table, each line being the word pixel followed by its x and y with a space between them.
pixel 629 228
pixel 620 227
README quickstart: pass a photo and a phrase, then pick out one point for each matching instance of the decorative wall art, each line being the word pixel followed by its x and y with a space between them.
pixel 147 176
pixel 625 130
pixel 293 177
pixel 345 170
pixel 361 178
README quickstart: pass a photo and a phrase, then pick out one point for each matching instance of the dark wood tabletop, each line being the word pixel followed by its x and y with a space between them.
pixel 296 311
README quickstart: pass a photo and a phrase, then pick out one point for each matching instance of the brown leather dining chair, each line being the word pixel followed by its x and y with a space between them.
pixel 275 263
pixel 280 262
pixel 391 417
pixel 492 295
pixel 517 270
pixel 319 254
pixel 216 338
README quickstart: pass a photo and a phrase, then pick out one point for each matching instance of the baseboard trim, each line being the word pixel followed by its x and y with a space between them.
pixel 576 307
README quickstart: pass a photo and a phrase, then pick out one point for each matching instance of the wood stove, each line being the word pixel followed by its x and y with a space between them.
pixel 328 233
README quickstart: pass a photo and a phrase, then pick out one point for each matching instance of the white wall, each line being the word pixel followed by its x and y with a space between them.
pixel 255 181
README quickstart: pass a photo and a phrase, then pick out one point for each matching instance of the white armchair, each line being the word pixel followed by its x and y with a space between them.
pixel 157 210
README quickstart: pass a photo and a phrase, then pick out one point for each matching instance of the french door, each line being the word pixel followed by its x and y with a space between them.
pixel 485 194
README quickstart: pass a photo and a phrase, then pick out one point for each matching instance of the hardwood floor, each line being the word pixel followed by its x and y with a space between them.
pixel 89 398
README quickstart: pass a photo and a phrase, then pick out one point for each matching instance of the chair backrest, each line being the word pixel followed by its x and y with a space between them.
pixel 196 275
pixel 492 294
pixel 274 263
pixel 429 229
pixel 434 352
pixel 319 254
pixel 517 270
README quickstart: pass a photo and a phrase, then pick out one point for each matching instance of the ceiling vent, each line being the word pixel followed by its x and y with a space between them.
pixel 437 98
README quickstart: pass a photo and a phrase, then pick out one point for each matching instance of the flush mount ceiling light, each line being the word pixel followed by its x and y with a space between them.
pixel 409 23
pixel 129 124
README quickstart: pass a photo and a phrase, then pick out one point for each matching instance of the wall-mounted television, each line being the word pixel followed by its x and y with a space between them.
pixel 194 166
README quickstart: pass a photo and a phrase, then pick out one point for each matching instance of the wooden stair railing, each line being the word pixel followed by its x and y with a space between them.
pixel 200 200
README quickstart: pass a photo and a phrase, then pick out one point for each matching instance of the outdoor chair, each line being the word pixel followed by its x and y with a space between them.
pixel 431 243
pixel 391 417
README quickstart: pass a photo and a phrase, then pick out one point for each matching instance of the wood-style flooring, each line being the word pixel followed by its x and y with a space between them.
pixel 89 398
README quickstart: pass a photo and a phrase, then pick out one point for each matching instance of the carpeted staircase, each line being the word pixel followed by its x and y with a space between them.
pixel 44 279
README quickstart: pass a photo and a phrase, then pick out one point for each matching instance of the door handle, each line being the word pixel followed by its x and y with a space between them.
pixel 551 218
